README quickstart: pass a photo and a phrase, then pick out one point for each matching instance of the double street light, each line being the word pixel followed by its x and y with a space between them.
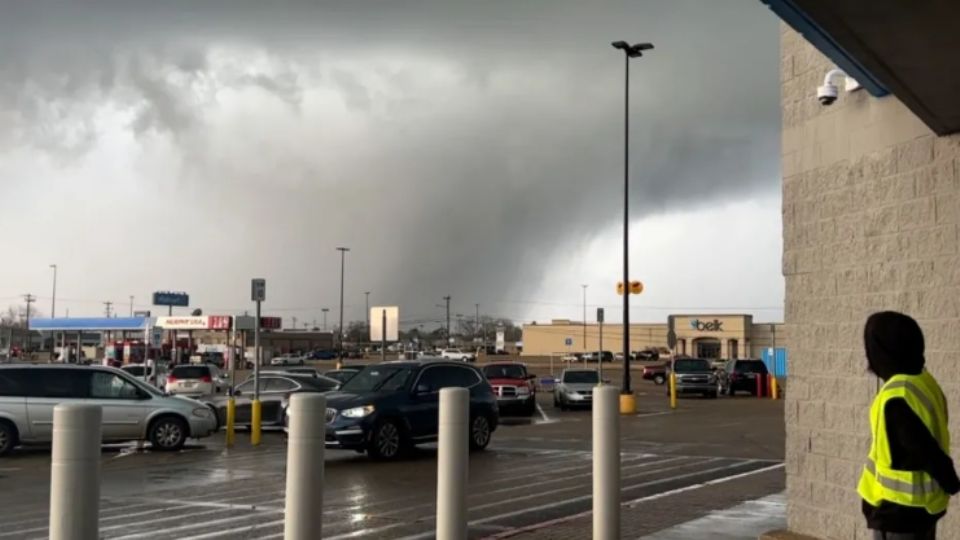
pixel 629 51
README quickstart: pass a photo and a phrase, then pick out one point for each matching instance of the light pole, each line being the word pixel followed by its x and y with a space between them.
pixel 325 310
pixel 343 258
pixel 366 294
pixel 131 305
pixel 53 301
pixel 629 51
pixel 584 316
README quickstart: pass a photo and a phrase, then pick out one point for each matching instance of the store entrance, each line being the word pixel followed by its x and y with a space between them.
pixel 707 348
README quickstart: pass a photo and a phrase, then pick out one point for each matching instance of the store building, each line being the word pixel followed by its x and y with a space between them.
pixel 703 336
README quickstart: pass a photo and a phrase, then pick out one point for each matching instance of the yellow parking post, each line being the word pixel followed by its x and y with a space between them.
pixel 255 422
pixel 773 387
pixel 673 390
pixel 231 420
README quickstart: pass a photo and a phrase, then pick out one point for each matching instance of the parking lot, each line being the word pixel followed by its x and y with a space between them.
pixel 533 482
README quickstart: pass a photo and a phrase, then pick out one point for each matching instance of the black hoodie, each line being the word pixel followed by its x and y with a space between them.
pixel 894 345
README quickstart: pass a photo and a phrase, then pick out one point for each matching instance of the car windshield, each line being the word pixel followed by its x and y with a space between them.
pixel 190 372
pixel 587 377
pixel 505 371
pixel 691 364
pixel 378 378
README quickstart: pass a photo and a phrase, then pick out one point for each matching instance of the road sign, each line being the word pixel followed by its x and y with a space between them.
pixel 258 290
pixel 568 342
pixel 671 339
pixel 599 314
pixel 376 323
pixel 166 298
pixel 156 336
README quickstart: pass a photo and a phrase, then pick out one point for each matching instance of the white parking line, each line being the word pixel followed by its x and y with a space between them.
pixel 582 498
pixel 633 502
pixel 248 528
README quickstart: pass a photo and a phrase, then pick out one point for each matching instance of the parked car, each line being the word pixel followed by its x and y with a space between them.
pixel 195 380
pixel 575 357
pixel 149 373
pixel 513 386
pixel 210 357
pixel 575 388
pixel 695 376
pixel 656 373
pixel 741 376
pixel 298 370
pixel 132 410
pixel 592 356
pixel 275 390
pixel 322 355
pixel 288 359
pixel 392 406
pixel 458 354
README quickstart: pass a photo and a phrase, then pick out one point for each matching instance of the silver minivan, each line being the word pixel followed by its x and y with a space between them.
pixel 132 410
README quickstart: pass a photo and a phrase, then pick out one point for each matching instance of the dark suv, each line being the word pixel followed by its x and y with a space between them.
pixel 741 376
pixel 389 407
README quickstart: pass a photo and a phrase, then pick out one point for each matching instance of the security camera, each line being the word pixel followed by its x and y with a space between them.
pixel 827 94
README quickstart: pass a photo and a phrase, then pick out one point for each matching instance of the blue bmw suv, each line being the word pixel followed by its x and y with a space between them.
pixel 389 407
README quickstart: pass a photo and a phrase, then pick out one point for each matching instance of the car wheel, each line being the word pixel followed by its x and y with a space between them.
pixel 531 409
pixel 8 437
pixel 659 379
pixel 480 432
pixel 386 441
pixel 168 433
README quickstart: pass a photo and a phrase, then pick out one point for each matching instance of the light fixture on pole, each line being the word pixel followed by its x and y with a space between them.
pixel 628 404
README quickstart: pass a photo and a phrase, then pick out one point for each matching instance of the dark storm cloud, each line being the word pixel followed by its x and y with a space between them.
pixel 476 189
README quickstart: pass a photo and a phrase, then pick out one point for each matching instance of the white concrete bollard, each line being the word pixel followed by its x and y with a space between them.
pixel 75 473
pixel 452 464
pixel 606 463
pixel 303 512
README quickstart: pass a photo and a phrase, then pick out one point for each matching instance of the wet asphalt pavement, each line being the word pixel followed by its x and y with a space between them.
pixel 536 473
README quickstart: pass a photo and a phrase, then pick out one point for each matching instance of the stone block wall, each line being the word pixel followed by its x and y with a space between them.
pixel 871 207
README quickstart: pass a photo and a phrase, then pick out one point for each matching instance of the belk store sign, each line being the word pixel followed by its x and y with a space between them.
pixel 715 325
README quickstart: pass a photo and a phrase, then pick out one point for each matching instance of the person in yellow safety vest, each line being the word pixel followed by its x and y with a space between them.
pixel 908 477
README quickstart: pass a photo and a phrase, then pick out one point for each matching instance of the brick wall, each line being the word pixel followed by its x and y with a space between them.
pixel 871 206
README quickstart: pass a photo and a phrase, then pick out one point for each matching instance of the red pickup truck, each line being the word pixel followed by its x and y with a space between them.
pixel 656 373
pixel 513 386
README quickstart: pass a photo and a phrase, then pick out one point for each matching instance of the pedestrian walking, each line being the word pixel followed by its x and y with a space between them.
pixel 909 476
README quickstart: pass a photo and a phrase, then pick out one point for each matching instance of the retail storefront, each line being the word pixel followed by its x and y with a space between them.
pixel 704 336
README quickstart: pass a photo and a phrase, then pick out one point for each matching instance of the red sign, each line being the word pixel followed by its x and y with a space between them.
pixel 219 322
pixel 271 323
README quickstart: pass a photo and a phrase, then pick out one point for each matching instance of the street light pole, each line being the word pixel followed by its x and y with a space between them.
pixel 584 317
pixel 325 310
pixel 131 305
pixel 629 51
pixel 53 301
pixel 343 258
pixel 367 303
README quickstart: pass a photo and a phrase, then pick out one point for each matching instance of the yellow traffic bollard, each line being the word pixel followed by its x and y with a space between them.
pixel 673 390
pixel 773 387
pixel 231 420
pixel 255 422
pixel 628 403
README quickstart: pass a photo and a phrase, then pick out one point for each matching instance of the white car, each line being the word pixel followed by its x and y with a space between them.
pixel 287 360
pixel 458 354
pixel 195 380
pixel 147 373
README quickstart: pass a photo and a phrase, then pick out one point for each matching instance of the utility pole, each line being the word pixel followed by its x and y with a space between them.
pixel 294 323
pixel 131 305
pixel 476 329
pixel 367 329
pixel 53 301
pixel 29 298
pixel 108 305
pixel 343 258
pixel 447 300
pixel 325 311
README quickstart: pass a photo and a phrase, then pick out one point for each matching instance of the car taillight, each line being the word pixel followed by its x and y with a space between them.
pixel 171 378
pixel 206 378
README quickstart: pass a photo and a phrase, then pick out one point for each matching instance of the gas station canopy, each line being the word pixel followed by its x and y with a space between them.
pixel 90 324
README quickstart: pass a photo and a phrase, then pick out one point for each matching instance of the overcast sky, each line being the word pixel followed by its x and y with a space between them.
pixel 471 149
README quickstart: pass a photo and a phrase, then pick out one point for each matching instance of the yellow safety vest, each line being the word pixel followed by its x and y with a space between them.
pixel 879 480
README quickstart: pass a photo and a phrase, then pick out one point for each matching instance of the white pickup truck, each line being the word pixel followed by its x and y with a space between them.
pixel 457 354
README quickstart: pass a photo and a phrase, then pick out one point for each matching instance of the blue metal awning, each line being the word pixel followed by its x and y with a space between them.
pixel 90 324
